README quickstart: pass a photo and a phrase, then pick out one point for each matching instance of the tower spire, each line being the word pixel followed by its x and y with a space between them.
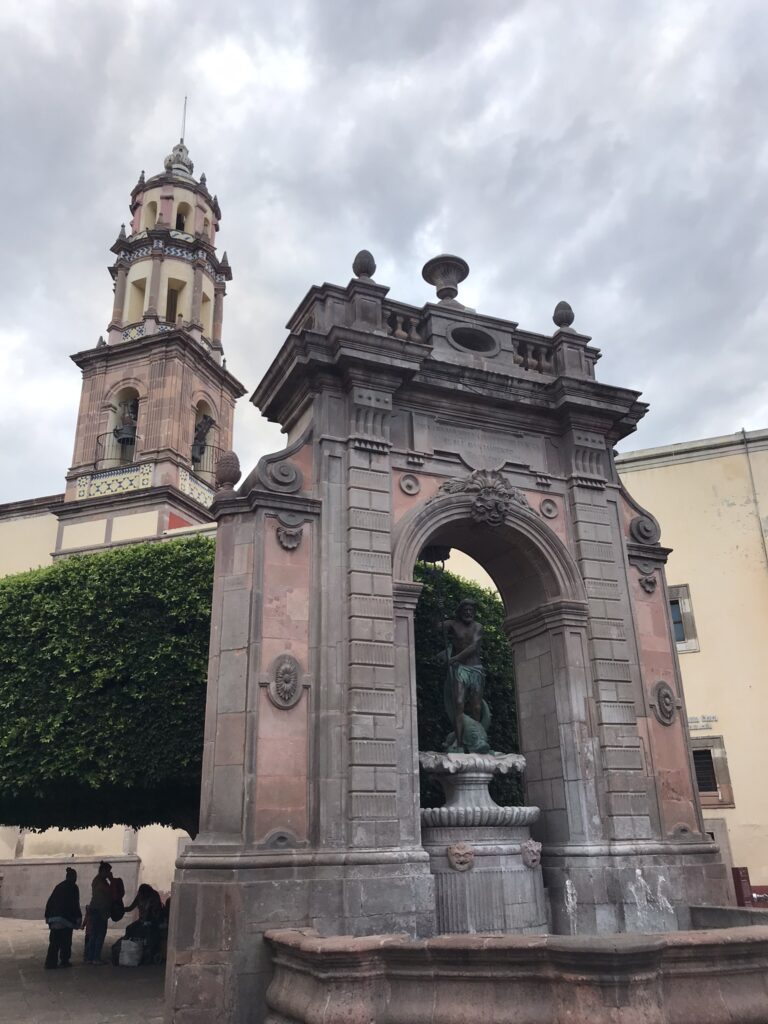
pixel 183 121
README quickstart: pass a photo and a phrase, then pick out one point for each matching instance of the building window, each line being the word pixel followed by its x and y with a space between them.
pixel 712 776
pixel 704 764
pixel 681 614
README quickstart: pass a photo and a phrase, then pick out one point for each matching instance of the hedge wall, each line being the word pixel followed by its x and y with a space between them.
pixel 102 687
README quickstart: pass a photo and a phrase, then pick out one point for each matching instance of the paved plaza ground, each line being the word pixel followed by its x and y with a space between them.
pixel 86 995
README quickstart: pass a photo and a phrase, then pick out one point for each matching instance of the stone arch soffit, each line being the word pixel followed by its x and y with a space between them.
pixel 529 564
pixel 200 395
pixel 138 386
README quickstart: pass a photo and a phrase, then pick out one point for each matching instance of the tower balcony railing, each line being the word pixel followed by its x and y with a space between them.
pixel 115 450
pixel 204 458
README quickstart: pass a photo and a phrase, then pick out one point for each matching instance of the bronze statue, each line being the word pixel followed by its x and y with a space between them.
pixel 465 682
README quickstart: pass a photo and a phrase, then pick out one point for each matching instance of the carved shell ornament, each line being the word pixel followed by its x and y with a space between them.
pixel 494 495
pixel 285 685
pixel 289 537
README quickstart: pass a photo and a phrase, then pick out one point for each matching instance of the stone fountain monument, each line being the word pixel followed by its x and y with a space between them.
pixel 310 891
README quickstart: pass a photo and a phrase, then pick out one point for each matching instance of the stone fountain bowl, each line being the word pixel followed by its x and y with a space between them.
pixel 464 779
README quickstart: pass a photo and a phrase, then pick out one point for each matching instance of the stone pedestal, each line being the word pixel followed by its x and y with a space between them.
pixel 484 862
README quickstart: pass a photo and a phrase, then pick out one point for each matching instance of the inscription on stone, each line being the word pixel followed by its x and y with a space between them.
pixel 480 449
pixel 699 722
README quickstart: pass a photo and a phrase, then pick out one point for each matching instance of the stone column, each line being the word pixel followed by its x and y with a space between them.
pixel 154 284
pixel 218 313
pixel 119 303
pixel 197 292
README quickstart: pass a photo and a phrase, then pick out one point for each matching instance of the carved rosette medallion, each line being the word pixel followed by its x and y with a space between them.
pixel 409 484
pixel 548 508
pixel 461 856
pixel 289 537
pixel 494 496
pixel 664 703
pixel 285 686
pixel 530 853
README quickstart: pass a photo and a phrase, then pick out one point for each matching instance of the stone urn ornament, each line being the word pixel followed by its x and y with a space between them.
pixel 446 272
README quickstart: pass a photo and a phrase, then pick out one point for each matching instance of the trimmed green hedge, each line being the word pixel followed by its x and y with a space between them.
pixel 102 687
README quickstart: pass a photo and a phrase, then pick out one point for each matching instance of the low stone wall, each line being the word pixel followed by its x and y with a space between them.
pixel 27 882
pixel 728 917
pixel 716 977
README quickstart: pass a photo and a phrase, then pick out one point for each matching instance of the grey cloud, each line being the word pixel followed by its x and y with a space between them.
pixel 610 154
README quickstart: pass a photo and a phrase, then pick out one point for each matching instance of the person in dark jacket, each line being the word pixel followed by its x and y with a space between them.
pixel 99 910
pixel 62 915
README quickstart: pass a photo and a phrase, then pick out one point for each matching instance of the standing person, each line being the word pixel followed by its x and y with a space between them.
pixel 98 913
pixel 62 915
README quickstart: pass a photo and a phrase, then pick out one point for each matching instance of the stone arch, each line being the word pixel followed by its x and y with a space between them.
pixel 546 621
pixel 527 561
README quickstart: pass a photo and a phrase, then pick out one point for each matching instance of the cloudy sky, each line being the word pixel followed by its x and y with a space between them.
pixel 612 153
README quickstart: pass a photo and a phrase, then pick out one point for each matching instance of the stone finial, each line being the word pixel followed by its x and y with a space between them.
pixel 224 260
pixel 101 343
pixel 178 162
pixel 227 471
pixel 563 316
pixel 203 179
pixel 141 179
pixel 445 273
pixel 364 265
pixel 122 231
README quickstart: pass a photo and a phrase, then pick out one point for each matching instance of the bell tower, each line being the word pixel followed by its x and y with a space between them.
pixel 157 401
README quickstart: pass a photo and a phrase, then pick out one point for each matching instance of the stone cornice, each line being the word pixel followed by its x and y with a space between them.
pixel 560 613
pixel 693 451
pixel 31 507
pixel 258 499
pixel 174 342
pixel 135 500
pixel 169 236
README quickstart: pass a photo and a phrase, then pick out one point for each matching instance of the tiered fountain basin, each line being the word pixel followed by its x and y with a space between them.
pixel 485 865
pixel 699 977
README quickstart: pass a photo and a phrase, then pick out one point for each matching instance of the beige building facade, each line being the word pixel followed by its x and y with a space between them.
pixel 711 501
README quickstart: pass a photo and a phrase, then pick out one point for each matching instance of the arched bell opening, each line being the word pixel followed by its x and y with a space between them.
pixel 204 451
pixel 545 622
pixel 117 446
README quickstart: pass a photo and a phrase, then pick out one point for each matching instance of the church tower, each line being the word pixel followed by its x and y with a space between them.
pixel 157 401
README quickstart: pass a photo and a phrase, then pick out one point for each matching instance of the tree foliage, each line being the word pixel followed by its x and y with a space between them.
pixel 441 593
pixel 102 687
